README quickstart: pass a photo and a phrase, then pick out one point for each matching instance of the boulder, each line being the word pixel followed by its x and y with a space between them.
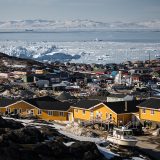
pixel 59 149
pixel 14 124
pixel 43 149
pixel 88 156
pixel 52 149
pixel 3 123
pixel 49 131
pixel 83 150
pixel 49 150
pixel 16 152
pixel 26 135
pixel 9 123
pixel 52 133
pixel 2 131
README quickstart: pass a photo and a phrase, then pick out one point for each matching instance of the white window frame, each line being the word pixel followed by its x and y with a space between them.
pixel 110 116
pixel 61 114
pixel 32 111
pixel 152 112
pixel 8 110
pixel 20 110
pixel 50 113
pixel 54 113
pixel 27 110
pixel 39 112
pixel 92 114
pixel 143 110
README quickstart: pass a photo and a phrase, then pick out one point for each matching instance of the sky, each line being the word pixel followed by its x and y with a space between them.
pixel 98 10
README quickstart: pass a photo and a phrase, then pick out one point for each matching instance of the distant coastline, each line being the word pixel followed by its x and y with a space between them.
pixel 65 30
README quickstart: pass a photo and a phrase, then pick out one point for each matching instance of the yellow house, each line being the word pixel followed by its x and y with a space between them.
pixel 5 102
pixel 123 112
pixel 118 113
pixel 46 108
pixel 82 110
pixel 149 110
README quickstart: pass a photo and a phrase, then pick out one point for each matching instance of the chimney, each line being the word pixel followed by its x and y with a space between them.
pixel 126 106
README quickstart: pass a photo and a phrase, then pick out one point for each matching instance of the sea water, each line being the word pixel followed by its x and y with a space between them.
pixel 92 46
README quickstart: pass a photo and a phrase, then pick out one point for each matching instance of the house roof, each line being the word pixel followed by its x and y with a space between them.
pixel 47 76
pixel 44 98
pixel 4 102
pixel 64 96
pixel 151 103
pixel 119 107
pixel 97 97
pixel 117 95
pixel 86 104
pixel 49 103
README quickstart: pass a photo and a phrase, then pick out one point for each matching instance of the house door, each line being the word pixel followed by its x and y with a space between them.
pixel 70 117
pixel 15 111
pixel 91 115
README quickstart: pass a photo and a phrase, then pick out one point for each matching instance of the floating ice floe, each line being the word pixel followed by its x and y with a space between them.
pixel 82 52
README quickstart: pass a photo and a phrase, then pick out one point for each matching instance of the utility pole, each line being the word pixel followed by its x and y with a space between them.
pixel 149 57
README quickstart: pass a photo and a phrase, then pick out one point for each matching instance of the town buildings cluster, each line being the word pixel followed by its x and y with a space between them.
pixel 121 94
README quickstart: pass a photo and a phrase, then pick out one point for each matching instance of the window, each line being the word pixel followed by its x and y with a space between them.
pixel 97 113
pixel 143 110
pixel 39 111
pixel 32 111
pixel 100 114
pixel 84 111
pixel 76 110
pixel 61 114
pixel 54 113
pixel 107 116
pixel 110 116
pixel 8 110
pixel 27 111
pixel 20 110
pixel 50 113
pixel 152 111
pixel 91 114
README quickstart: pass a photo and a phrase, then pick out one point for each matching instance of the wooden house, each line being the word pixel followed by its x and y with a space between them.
pixel 122 112
pixel 118 113
pixel 149 110
pixel 46 108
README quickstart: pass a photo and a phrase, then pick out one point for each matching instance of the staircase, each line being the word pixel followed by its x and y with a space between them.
pixel 128 124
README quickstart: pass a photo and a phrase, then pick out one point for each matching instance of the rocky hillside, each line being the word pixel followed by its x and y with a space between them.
pixel 19 142
pixel 7 61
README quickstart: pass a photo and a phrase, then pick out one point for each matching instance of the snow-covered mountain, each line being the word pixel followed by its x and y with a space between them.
pixel 76 24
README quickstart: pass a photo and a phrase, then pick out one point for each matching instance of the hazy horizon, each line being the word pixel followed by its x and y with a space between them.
pixel 97 10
